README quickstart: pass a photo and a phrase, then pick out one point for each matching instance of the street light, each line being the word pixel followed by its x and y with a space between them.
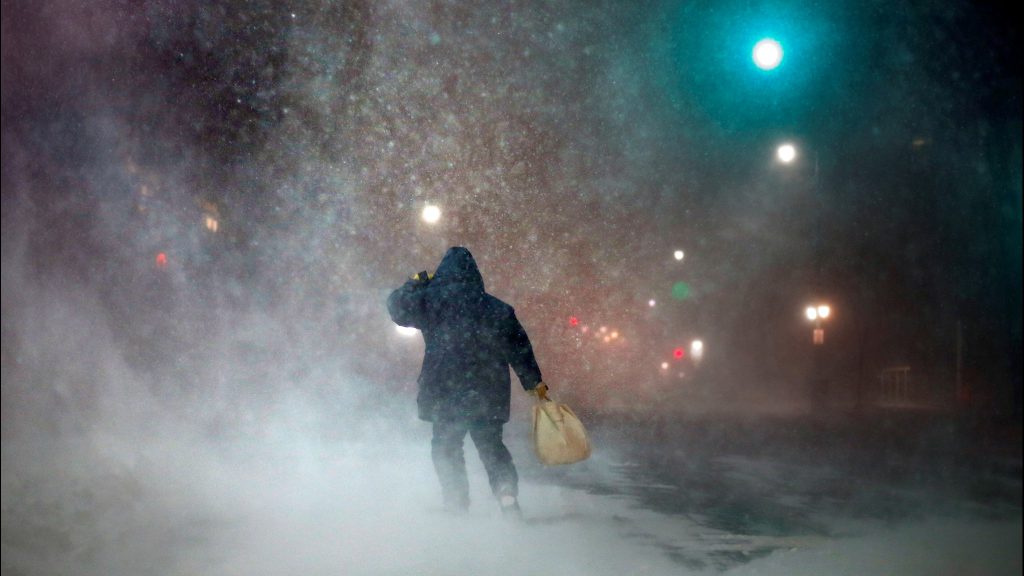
pixel 431 214
pixel 786 153
pixel 697 350
pixel 767 54
pixel 678 255
pixel 817 313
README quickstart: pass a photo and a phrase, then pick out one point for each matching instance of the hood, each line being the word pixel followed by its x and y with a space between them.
pixel 458 267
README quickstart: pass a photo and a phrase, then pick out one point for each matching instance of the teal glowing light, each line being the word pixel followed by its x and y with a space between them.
pixel 767 54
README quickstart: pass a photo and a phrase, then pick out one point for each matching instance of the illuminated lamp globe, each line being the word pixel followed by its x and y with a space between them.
pixel 431 214
pixel 767 54
pixel 786 153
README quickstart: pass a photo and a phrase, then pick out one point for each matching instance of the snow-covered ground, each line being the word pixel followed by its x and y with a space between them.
pixel 286 500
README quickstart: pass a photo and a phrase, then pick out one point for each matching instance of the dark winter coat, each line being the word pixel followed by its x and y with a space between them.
pixel 471 339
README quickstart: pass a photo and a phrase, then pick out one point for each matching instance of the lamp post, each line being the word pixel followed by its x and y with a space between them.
pixel 817 314
pixel 787 153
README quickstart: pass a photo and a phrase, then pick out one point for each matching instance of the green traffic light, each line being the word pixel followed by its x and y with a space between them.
pixel 681 291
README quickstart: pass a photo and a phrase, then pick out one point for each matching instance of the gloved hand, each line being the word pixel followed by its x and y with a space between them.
pixel 540 392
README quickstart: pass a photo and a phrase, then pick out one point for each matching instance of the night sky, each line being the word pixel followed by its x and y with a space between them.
pixel 572 146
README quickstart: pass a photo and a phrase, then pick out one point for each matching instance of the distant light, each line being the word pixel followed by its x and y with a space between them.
pixel 664 365
pixel 811 312
pixel 406 331
pixel 585 329
pixel 696 348
pixel 161 260
pixel 678 255
pixel 431 214
pixel 678 353
pixel 211 223
pixel 824 311
pixel 680 290
pixel 574 321
pixel 651 303
pixel 767 54
pixel 786 153
pixel 602 329
pixel 607 339
pixel 614 335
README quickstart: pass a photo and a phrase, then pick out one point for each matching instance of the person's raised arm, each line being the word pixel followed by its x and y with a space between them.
pixel 406 304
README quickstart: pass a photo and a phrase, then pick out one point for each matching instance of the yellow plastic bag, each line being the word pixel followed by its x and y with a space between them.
pixel 558 435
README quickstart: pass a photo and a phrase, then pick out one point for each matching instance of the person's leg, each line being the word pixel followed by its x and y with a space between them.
pixel 501 471
pixel 450 464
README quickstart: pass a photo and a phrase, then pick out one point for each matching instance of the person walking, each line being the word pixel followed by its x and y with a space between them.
pixel 471 340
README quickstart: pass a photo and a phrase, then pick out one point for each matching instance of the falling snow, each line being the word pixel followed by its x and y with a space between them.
pixel 781 286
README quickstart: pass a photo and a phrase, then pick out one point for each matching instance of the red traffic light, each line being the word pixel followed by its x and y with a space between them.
pixel 161 260
pixel 574 321
pixel 679 353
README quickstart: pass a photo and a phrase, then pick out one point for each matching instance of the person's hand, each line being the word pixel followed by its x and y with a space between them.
pixel 540 392
pixel 419 280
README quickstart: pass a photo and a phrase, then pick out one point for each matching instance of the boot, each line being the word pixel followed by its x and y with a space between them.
pixel 510 508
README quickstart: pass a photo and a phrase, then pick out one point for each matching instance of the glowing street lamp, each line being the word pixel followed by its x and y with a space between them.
pixel 697 350
pixel 678 255
pixel 786 153
pixel 767 54
pixel 431 214
pixel 817 313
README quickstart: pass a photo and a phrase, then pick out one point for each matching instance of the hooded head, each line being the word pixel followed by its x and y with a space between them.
pixel 458 267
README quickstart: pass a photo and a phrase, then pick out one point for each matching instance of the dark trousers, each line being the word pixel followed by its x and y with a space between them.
pixel 450 464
